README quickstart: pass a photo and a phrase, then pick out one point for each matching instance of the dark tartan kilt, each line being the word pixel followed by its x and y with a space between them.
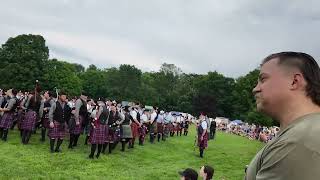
pixel 166 129
pixel 134 130
pixel 186 127
pixel 20 118
pixel 29 121
pixel 117 135
pixel 111 134
pixel 204 142
pixel 98 134
pixel 159 127
pixel 58 132
pixel 45 121
pixel 153 128
pixel 142 130
pixel 77 129
pixel 7 120
pixel 170 127
pixel 147 126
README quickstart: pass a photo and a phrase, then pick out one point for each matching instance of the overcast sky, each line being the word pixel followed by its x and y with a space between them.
pixel 228 36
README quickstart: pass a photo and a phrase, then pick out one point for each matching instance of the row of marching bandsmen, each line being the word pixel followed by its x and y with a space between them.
pixel 105 123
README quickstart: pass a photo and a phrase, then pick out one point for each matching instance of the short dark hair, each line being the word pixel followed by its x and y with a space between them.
pixel 308 67
pixel 14 91
pixel 209 171
pixel 189 174
pixel 50 93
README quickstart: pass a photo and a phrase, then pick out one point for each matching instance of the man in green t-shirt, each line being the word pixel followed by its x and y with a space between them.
pixel 288 90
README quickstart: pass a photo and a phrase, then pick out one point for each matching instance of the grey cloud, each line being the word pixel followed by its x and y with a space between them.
pixel 199 36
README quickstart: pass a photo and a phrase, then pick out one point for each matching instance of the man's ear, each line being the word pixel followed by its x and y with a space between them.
pixel 297 81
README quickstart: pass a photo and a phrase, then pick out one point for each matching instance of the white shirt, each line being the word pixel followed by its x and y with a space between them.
pixel 160 118
pixel 179 120
pixel 204 125
pixel 94 113
pixel 144 118
pixel 133 114
pixel 153 116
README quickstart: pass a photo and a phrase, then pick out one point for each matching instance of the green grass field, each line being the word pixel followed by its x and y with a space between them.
pixel 228 154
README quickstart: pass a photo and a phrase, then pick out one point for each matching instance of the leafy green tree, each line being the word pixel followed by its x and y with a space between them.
pixel 22 60
pixel 63 76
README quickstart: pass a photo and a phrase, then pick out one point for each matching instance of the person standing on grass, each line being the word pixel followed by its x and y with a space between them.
pixel 143 128
pixel 98 133
pixel 213 126
pixel 185 126
pixel 288 90
pixel 202 134
pixel 135 125
pixel 80 120
pixel 111 138
pixel 160 124
pixel 125 128
pixel 153 126
pixel 28 124
pixel 8 113
pixel 59 114
pixel 44 113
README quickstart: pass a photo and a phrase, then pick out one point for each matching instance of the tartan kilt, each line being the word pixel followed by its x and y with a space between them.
pixel 134 130
pixel 159 127
pixel 177 127
pixel 204 142
pixel 29 121
pixel 58 132
pixel 111 134
pixel 142 130
pixel 7 120
pixel 166 129
pixel 98 134
pixel 77 129
pixel 117 135
pixel 125 132
pixel 170 127
pixel 45 121
pixel 20 118
pixel 153 128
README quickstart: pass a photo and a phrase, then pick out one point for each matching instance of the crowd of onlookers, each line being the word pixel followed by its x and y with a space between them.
pixel 253 132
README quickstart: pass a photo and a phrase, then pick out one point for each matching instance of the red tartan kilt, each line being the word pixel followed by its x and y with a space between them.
pixel 170 127
pixel 177 127
pixel 204 142
pixel 58 132
pixel 134 130
pixel 159 127
pixel 98 134
pixel 29 121
pixel 6 120
pixel 78 128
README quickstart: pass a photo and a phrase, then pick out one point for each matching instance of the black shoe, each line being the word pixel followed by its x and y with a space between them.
pixel 90 156
pixel 58 151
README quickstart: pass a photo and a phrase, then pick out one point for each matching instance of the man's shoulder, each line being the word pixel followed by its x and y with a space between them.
pixel 305 129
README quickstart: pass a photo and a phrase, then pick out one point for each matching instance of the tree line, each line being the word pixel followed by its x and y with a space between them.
pixel 25 58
